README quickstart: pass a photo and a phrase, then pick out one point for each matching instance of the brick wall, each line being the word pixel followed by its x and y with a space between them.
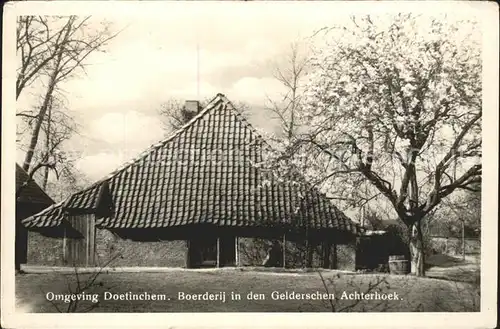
pixel 48 250
pixel 346 256
pixel 253 251
pixel 24 210
pixel 295 255
pixel 44 249
pixel 127 252
pixel 453 246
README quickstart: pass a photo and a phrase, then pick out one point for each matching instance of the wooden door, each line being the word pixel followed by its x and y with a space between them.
pixel 227 251
pixel 212 252
pixel 80 241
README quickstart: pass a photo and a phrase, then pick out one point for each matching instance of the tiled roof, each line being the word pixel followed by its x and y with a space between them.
pixel 31 192
pixel 206 172
pixel 49 217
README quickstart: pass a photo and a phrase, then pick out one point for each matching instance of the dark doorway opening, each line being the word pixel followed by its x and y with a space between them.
pixel 211 251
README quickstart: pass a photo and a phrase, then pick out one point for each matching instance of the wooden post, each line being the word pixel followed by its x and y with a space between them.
pixel 87 240
pixel 65 261
pixel 363 213
pixel 236 252
pixel 309 254
pixel 188 254
pixel 91 240
pixel 218 251
pixel 284 249
pixel 334 257
pixel 326 253
pixel 463 240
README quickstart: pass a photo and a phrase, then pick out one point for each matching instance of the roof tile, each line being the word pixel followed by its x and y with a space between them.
pixel 204 173
pixel 31 192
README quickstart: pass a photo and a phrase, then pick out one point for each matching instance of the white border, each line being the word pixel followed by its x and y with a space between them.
pixel 486 318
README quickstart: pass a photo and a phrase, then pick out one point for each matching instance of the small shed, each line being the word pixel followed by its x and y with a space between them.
pixel 374 247
pixel 30 200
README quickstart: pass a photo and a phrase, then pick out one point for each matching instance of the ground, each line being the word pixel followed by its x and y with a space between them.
pixel 415 294
pixel 454 268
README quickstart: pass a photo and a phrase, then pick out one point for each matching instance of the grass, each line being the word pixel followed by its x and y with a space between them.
pixel 454 268
pixel 418 294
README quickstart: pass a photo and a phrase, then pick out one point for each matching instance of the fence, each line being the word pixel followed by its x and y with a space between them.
pixel 454 246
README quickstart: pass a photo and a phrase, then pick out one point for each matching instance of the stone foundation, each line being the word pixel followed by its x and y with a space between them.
pixel 44 249
pixel 346 257
pixel 253 251
pixel 116 251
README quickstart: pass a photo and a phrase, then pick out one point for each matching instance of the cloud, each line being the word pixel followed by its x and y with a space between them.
pixel 251 90
pixel 155 58
pixel 189 91
pixel 98 165
pixel 122 135
pixel 130 128
pixel 255 90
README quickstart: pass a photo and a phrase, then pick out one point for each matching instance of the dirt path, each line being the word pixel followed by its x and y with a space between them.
pixel 454 268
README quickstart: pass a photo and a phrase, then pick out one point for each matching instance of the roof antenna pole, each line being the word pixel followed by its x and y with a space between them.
pixel 197 69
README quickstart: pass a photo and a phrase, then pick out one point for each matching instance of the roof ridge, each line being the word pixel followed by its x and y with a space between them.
pixel 164 141
pixel 280 180
pixel 247 124
pixel 211 104
pixel 219 105
pixel 32 179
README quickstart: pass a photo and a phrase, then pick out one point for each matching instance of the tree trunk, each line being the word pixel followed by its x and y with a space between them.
pixel 41 115
pixel 47 146
pixel 417 249
pixel 45 178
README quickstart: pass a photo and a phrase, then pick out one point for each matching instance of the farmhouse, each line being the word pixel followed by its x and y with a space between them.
pixel 195 199
pixel 30 199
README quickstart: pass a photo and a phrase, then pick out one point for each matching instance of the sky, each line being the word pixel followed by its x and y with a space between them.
pixel 185 55
pixel 183 51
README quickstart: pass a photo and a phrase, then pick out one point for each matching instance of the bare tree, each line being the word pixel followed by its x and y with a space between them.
pixel 290 73
pixel 51 50
pixel 37 45
pixel 175 115
pixel 59 126
pixel 71 180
